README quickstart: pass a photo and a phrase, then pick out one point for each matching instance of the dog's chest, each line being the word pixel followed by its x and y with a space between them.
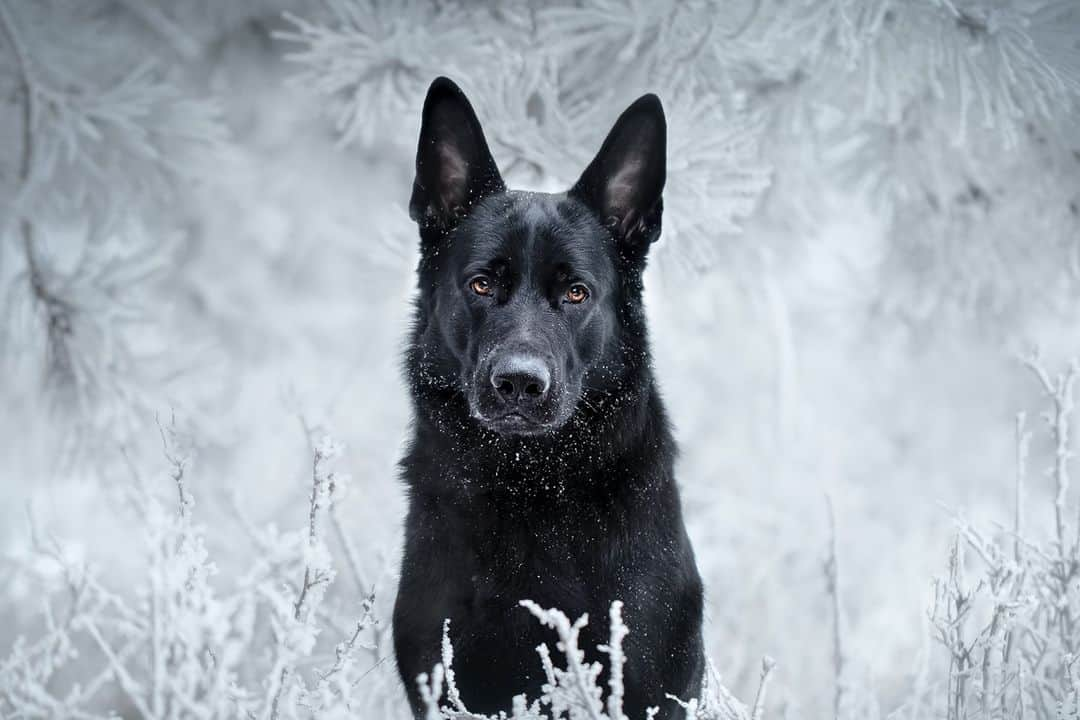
pixel 550 556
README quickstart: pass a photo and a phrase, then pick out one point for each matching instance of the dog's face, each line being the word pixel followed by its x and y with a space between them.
pixel 530 296
pixel 526 300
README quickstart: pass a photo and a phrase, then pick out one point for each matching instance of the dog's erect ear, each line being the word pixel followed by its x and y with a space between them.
pixel 454 167
pixel 624 182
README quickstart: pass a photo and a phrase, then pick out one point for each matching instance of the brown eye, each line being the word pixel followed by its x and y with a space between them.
pixel 481 285
pixel 577 293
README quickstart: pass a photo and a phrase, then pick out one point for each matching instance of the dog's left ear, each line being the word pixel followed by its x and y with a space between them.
pixel 624 182
pixel 454 167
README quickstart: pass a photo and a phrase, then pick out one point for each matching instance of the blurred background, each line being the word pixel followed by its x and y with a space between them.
pixel 873 209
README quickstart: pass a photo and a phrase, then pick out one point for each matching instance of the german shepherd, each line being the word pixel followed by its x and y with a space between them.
pixel 541 460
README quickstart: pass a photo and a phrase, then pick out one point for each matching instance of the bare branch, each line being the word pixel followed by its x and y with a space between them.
pixel 832 590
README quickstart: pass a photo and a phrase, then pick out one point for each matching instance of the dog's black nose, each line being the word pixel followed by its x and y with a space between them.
pixel 521 378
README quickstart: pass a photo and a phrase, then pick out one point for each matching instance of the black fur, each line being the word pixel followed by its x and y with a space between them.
pixel 541 463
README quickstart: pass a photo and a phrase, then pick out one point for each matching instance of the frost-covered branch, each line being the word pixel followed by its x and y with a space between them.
pixel 57 310
pixel 573 691
pixel 297 635
pixel 1009 624
pixel 100 141
pixel 1060 392
pixel 579 677
pixel 717 702
pixel 182 645
pixel 832 590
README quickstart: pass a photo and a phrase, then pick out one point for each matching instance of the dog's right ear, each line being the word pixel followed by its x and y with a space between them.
pixel 454 167
pixel 624 182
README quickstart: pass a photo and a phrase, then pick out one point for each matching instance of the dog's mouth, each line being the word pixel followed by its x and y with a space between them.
pixel 517 417
pixel 516 423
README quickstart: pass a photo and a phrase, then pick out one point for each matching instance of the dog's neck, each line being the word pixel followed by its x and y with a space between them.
pixel 617 437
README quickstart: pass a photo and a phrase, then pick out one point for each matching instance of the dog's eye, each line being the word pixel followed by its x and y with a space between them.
pixel 577 293
pixel 481 285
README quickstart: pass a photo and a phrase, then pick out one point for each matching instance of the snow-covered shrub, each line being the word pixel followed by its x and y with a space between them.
pixel 573 691
pixel 1007 610
pixel 184 642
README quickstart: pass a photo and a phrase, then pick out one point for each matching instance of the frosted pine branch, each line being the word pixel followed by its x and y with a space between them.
pixel 373 61
pixel 99 143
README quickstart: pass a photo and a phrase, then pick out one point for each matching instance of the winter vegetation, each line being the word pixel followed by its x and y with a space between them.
pixel 1009 626
pixel 872 216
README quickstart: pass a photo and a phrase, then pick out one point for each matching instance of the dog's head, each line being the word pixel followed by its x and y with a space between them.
pixel 532 300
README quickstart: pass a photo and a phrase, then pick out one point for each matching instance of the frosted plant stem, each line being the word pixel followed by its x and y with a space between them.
pixel 1023 442
pixel 178 464
pixel 283 678
pixel 127 683
pixel 992 646
pixel 1063 407
pixel 1060 393
pixel 568 638
pixel 767 666
pixel 573 663
pixel 320 490
pixel 832 586
pixel 616 661
pixel 351 556
pixel 157 654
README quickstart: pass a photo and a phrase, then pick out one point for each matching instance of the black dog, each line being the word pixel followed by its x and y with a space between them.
pixel 541 462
